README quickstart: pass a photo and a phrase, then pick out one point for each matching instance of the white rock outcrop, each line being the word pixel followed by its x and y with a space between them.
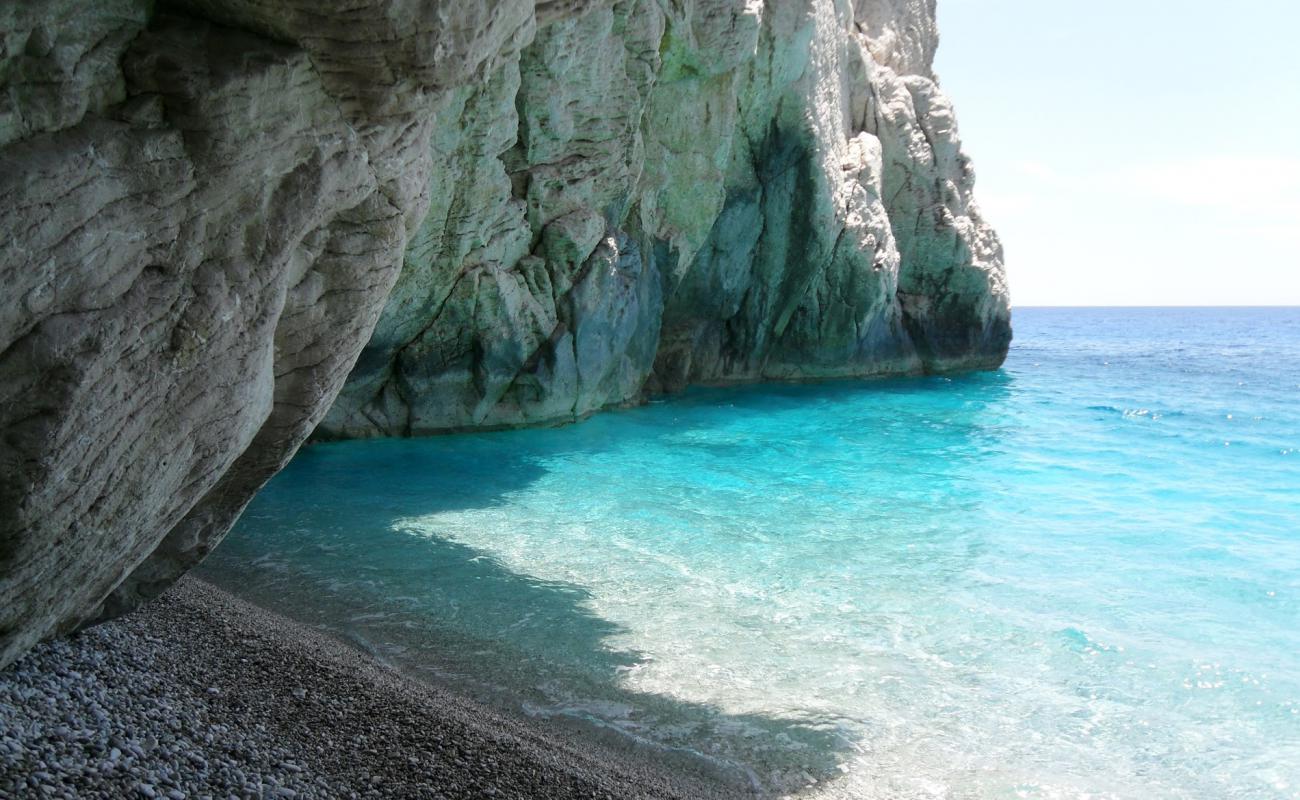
pixel 650 195
pixel 489 214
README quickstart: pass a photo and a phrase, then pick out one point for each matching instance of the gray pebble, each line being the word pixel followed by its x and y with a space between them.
pixel 121 712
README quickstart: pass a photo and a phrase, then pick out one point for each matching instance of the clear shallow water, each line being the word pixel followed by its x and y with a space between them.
pixel 1079 576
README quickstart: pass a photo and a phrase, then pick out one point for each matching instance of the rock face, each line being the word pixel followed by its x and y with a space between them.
pixel 651 195
pixel 502 213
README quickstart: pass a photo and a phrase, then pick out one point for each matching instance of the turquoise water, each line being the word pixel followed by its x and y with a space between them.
pixel 1079 576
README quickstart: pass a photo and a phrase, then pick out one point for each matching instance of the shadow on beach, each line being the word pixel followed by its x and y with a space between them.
pixel 319 546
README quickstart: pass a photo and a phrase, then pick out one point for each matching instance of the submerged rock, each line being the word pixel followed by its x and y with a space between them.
pixel 501 213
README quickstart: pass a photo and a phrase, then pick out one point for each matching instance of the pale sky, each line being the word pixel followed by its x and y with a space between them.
pixel 1134 152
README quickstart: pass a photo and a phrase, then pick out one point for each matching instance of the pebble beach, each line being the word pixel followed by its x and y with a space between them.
pixel 203 695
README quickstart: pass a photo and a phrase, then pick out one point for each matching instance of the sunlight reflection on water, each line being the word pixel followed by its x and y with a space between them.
pixel 1043 582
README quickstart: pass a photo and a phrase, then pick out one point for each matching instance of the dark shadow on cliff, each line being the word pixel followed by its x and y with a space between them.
pixel 324 544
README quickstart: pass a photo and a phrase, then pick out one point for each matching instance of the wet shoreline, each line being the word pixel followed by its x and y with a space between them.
pixel 202 694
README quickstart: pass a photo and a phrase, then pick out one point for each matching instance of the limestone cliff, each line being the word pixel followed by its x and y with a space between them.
pixel 502 213
pixel 651 195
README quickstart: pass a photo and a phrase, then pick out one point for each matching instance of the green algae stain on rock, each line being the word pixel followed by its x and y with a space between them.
pixel 790 173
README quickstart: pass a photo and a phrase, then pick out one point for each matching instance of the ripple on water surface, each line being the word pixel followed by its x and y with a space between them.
pixel 1077 575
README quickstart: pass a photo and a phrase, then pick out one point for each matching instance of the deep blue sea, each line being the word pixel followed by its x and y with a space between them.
pixel 1075 577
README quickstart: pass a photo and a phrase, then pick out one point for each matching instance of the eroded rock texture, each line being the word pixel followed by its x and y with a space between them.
pixel 656 194
pixel 514 212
